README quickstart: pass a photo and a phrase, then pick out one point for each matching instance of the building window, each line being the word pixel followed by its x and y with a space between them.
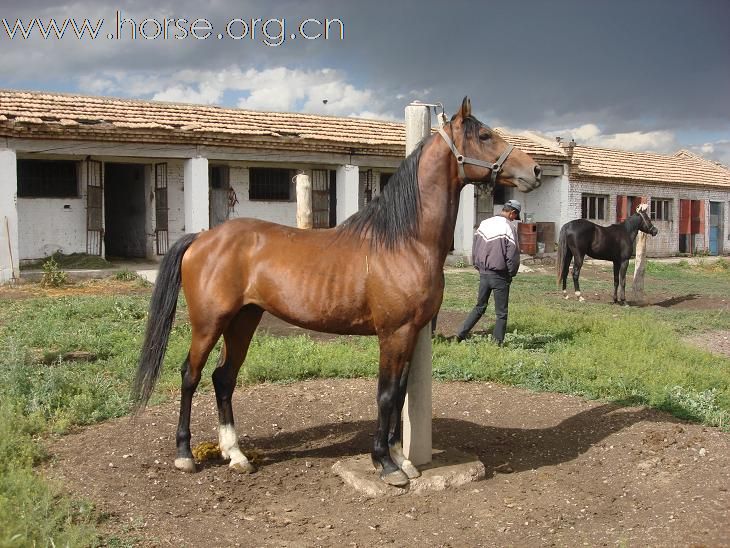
pixel 661 210
pixel 218 176
pixel 273 184
pixel 47 179
pixel 593 207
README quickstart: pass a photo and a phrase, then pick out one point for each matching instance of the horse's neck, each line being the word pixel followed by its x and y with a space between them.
pixel 439 209
pixel 632 227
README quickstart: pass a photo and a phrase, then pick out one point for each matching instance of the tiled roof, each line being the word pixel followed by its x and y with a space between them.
pixel 57 115
pixel 66 116
pixel 681 168
pixel 535 145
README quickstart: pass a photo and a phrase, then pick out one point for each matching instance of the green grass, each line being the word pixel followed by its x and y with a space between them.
pixel 70 261
pixel 628 355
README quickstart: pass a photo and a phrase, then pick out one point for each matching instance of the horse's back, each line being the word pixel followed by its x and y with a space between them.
pixel 296 275
pixel 600 242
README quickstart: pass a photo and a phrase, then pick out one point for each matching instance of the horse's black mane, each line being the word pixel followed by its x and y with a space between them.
pixel 394 215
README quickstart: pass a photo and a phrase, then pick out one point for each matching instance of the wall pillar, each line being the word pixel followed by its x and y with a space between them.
pixel 9 258
pixel 195 188
pixel 348 191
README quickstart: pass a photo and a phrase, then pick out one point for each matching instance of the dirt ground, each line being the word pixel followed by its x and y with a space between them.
pixel 578 473
pixel 561 471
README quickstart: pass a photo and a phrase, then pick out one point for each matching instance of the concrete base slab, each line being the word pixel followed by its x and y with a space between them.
pixel 448 468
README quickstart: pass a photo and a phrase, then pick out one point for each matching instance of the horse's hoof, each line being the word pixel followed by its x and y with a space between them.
pixel 242 467
pixel 566 297
pixel 581 299
pixel 410 470
pixel 397 478
pixel 185 464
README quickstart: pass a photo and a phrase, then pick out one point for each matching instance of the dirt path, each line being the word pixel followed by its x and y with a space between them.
pixel 583 473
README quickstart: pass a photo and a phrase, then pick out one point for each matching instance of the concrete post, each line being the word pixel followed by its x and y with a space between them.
pixel 195 189
pixel 465 219
pixel 418 408
pixel 640 267
pixel 640 262
pixel 348 187
pixel 9 259
pixel 304 200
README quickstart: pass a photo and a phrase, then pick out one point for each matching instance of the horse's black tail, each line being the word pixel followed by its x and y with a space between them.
pixel 560 261
pixel 159 323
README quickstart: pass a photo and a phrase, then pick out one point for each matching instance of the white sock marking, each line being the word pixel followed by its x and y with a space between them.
pixel 228 441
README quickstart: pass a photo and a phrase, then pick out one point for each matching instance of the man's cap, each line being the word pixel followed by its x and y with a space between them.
pixel 514 204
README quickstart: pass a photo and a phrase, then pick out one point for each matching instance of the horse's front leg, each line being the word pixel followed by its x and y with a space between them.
pixel 622 280
pixel 395 353
pixel 395 439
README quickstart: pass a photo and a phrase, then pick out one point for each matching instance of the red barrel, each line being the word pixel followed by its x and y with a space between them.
pixel 527 236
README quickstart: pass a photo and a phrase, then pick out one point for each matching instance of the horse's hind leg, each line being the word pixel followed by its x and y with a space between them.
pixel 395 352
pixel 237 338
pixel 201 345
pixel 577 265
pixel 566 266
pixel 616 278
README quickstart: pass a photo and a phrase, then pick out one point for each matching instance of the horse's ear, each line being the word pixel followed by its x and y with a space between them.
pixel 465 108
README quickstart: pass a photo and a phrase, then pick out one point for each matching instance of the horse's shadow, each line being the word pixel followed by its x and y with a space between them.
pixel 522 448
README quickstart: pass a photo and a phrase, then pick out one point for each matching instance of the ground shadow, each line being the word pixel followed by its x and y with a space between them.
pixel 676 300
pixel 522 448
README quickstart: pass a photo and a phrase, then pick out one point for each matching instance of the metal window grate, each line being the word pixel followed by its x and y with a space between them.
pixel 47 179
pixel 162 234
pixel 94 207
pixel 273 184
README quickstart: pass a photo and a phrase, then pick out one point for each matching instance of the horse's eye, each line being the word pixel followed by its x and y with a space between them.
pixel 485 136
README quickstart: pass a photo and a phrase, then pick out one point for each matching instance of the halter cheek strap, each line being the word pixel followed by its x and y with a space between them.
pixel 496 167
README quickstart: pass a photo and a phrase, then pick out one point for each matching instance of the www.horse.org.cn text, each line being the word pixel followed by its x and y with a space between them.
pixel 271 31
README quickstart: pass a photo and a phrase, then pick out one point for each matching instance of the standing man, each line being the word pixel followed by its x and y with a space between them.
pixel 496 255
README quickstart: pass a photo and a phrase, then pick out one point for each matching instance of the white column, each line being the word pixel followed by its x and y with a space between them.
pixel 195 189
pixel 464 232
pixel 418 408
pixel 9 260
pixel 348 187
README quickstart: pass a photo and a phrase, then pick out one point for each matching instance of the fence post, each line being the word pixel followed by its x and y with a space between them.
pixel 304 200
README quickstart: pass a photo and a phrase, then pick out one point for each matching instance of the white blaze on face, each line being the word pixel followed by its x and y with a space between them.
pixel 228 441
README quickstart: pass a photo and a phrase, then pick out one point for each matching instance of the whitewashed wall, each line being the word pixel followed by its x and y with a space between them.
pixel 284 213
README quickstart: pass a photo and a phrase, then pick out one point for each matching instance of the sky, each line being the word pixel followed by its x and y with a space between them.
pixel 646 75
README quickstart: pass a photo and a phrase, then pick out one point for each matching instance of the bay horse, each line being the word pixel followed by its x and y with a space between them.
pixel 615 243
pixel 378 273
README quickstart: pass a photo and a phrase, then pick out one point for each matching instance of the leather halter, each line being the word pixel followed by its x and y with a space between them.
pixel 496 167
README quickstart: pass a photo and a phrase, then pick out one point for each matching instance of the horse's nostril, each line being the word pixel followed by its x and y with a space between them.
pixel 538 172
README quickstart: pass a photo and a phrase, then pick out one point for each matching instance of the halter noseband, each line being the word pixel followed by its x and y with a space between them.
pixel 496 167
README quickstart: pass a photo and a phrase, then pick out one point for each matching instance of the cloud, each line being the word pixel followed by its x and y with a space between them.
pixel 324 91
pixel 645 141
pixel 718 151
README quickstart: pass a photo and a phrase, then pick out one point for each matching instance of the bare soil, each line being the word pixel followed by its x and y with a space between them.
pixel 579 472
pixel 561 471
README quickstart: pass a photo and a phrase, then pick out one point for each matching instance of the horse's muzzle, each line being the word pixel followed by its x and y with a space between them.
pixel 654 231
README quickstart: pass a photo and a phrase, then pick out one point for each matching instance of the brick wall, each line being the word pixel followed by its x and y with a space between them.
pixel 666 243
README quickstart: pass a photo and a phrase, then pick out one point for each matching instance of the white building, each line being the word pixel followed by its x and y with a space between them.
pixel 123 178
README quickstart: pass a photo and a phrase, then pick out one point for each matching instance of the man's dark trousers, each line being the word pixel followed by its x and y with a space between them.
pixel 492 281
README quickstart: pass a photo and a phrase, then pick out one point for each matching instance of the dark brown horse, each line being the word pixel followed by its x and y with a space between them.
pixel 379 273
pixel 612 243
